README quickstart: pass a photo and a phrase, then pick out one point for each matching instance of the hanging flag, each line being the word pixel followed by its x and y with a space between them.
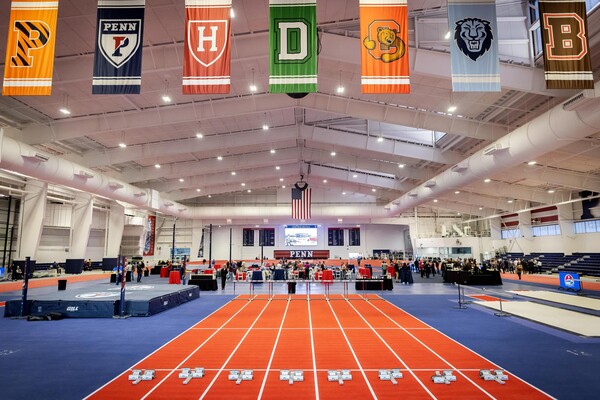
pixel 201 248
pixel 301 202
pixel 474 46
pixel 30 48
pixel 207 47
pixel 293 46
pixel 384 46
pixel 565 44
pixel 150 236
pixel 119 40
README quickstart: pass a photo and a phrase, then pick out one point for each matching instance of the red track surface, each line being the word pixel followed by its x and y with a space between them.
pixel 314 336
pixel 44 282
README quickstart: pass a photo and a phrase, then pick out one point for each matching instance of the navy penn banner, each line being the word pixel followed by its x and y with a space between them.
pixel 119 39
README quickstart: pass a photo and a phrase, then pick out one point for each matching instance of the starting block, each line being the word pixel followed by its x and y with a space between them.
pixel 445 376
pixel 239 376
pixel 497 375
pixel 390 375
pixel 291 376
pixel 137 375
pixel 188 374
pixel 339 376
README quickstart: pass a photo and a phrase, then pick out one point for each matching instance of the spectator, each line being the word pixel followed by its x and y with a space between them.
pixel 140 271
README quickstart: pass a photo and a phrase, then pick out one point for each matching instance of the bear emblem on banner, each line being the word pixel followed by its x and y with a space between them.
pixel 383 41
pixel 473 37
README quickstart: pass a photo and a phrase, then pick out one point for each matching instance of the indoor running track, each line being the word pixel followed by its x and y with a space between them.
pixel 314 336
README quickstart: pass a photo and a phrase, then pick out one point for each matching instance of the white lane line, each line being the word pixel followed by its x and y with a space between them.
pixel 312 348
pixel 262 387
pixel 160 348
pixel 362 371
pixel 410 371
pixel 436 354
pixel 234 350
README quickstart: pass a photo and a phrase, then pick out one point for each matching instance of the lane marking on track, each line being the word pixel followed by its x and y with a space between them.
pixel 312 348
pixel 234 350
pixel 362 371
pixel 160 348
pixel 262 387
pixel 410 371
pixel 436 354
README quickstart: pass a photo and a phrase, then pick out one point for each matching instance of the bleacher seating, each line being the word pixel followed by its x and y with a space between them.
pixel 582 263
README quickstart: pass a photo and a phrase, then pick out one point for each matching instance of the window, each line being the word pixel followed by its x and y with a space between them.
pixel 546 230
pixel 266 237
pixel 354 236
pixel 511 233
pixel 587 226
pixel 248 237
pixel 335 237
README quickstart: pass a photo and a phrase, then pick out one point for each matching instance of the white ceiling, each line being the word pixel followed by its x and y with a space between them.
pixel 420 139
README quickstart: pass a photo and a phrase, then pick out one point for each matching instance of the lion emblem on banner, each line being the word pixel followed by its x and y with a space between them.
pixel 473 37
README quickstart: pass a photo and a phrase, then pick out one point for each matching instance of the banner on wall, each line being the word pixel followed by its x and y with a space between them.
pixel 474 46
pixel 567 61
pixel 293 46
pixel 150 236
pixel 118 53
pixel 384 46
pixel 29 61
pixel 206 68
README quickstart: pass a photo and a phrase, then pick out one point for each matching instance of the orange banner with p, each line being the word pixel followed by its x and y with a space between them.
pixel 30 48
pixel 384 46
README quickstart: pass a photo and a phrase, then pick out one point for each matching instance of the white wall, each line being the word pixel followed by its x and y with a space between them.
pixel 582 243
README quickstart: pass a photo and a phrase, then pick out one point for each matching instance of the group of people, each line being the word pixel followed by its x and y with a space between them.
pixel 138 267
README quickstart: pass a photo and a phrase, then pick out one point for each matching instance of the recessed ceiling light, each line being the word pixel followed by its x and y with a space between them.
pixel 340 89
pixel 197 190
pixel 249 190
pixel 220 158
pixel 481 208
pixel 180 179
pixel 340 220
pixel 64 110
pixel 333 153
pixel 280 179
pixel 277 167
pixel 233 172
pixel 253 88
pixel 380 139
pixel 272 151
pixel 283 187
pixel 487 180
pixel 458 214
pixel 265 127
pixel 435 200
pixel 532 163
pixel 199 135
pixel 401 165
pixel 373 190
pixel 355 176
pixel 551 191
pixel 343 193
pixel 156 165
pixel 209 196
pixel 510 201
pixel 166 98
pixel 243 184
pixel 122 145
pixel 457 192
pixel 451 109
pixel 324 180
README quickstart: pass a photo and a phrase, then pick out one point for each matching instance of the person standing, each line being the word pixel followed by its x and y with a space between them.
pixel 224 272
pixel 140 271
pixel 519 270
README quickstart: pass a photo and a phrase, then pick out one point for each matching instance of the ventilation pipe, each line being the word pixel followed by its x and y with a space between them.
pixel 27 160
pixel 552 130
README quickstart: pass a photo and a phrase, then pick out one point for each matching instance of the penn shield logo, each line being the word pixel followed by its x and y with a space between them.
pixel 473 37
pixel 119 39
pixel 207 40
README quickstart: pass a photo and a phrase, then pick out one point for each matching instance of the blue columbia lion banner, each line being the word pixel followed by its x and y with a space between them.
pixel 474 46
pixel 118 55
pixel 567 60
pixel 293 46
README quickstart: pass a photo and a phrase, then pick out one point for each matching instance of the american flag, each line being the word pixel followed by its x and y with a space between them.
pixel 301 203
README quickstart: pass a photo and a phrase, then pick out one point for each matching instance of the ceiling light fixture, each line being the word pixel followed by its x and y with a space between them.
pixel 197 190
pixel 355 176
pixel 435 200
pixel 64 109
pixel 551 191
pixel 373 190
pixel 243 184
pixel 324 180
pixel 122 145
pixel 220 158
pixel 487 180
pixel 253 87
pixel 380 139
pixel 333 153
pixel 447 35
pixel 265 126
pixel 451 109
pixel 156 165
pixel 401 165
pixel 340 88
pixel 510 201
pixel 233 173
pixel 457 192
pixel 531 163
pixel 249 190
pixel 181 180
pixel 343 193
pixel 277 167
pixel 283 187
pixel 199 135
pixel 272 151
pixel 280 179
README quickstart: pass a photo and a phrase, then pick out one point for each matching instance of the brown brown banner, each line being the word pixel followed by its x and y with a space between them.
pixel 567 62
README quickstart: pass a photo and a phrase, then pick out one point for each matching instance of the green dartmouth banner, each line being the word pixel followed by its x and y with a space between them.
pixel 293 46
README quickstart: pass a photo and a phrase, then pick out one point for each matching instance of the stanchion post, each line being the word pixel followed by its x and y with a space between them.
pixel 460 301
pixel 25 287
pixel 501 313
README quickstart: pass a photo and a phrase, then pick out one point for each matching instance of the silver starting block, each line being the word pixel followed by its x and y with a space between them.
pixel 497 375
pixel 445 376
pixel 339 375
pixel 291 376
pixel 188 374
pixel 137 375
pixel 239 376
pixel 390 375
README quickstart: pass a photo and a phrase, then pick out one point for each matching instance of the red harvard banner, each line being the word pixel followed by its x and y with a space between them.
pixel 207 47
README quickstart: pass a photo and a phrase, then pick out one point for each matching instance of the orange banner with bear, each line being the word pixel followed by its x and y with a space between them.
pixel 384 46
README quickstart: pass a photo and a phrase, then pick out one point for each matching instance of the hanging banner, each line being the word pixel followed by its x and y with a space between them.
pixel 384 46
pixel 207 47
pixel 474 46
pixel 119 40
pixel 567 62
pixel 293 46
pixel 150 236
pixel 30 46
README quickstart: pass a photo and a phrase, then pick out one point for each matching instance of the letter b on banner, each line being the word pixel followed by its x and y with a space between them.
pixel 567 36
